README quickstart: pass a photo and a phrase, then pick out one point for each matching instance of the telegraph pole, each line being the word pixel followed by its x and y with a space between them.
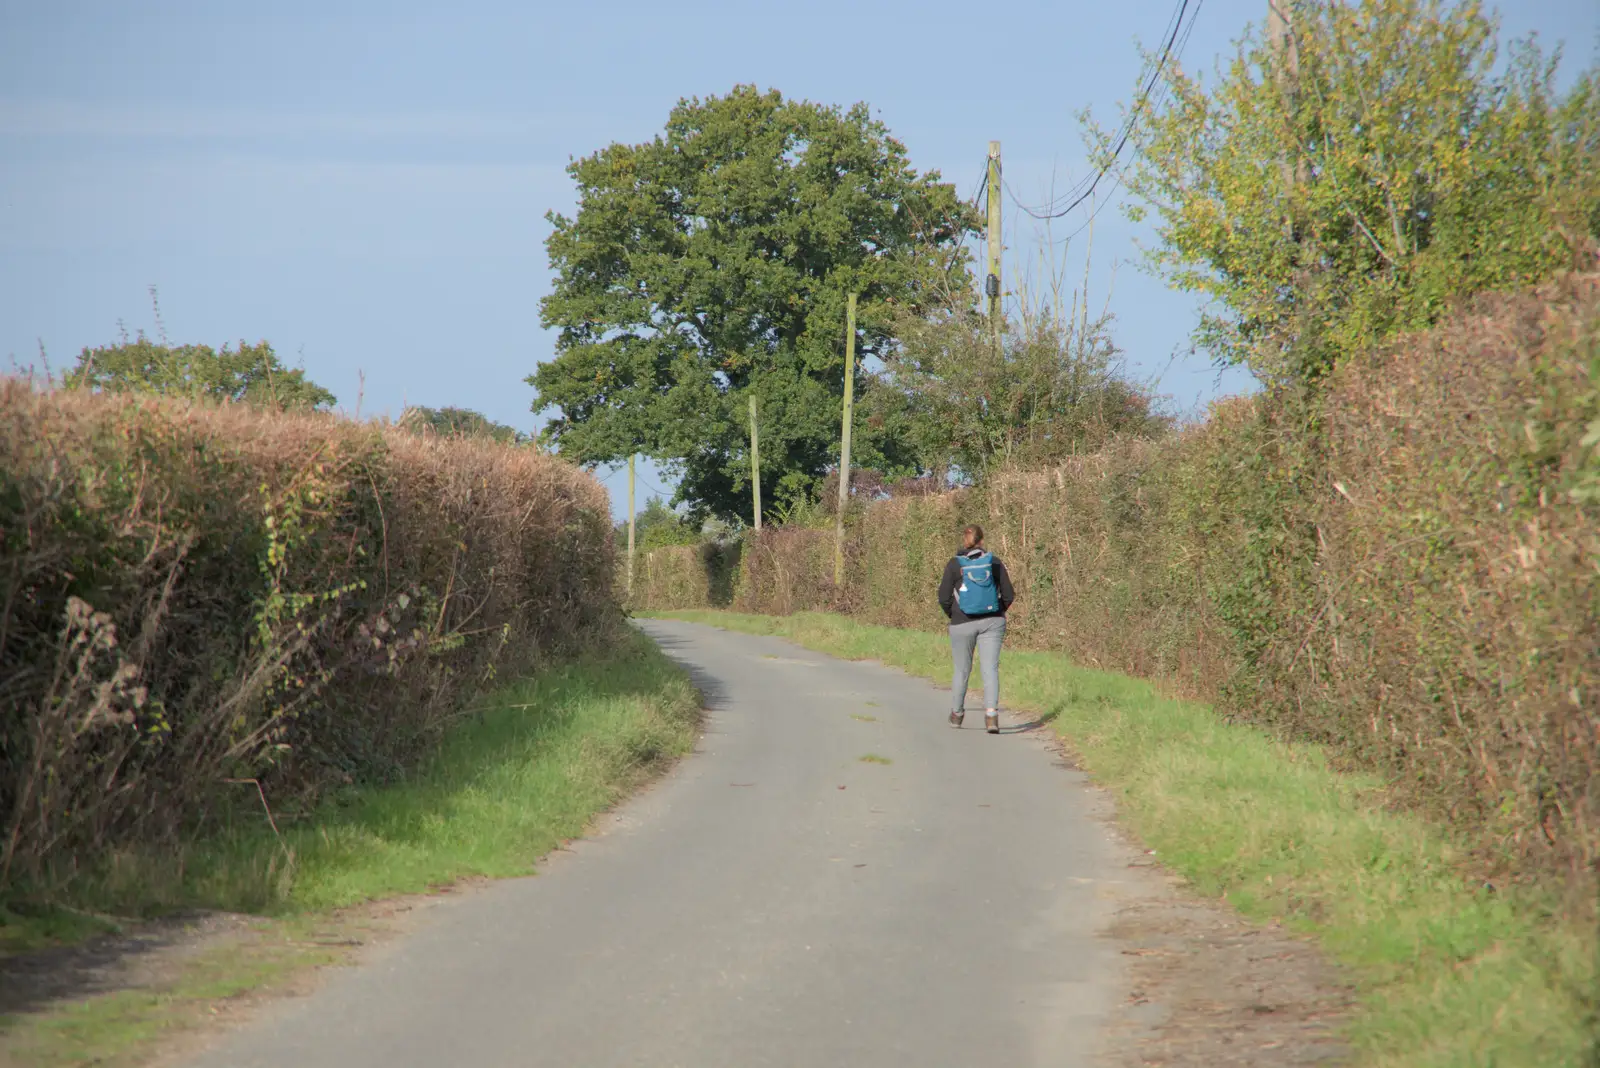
pixel 630 523
pixel 991 283
pixel 755 461
pixel 1280 32
pixel 844 438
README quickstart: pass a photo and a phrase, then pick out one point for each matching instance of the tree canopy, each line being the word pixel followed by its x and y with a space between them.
pixel 712 264
pixel 1355 178
pixel 461 422
pixel 1055 386
pixel 251 374
pixel 657 525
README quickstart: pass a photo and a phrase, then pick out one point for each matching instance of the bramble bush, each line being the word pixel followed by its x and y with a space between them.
pixel 197 600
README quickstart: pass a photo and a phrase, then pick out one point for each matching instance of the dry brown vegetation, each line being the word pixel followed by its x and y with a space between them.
pixel 684 576
pixel 209 606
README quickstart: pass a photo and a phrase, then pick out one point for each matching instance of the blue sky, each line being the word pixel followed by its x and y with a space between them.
pixel 364 184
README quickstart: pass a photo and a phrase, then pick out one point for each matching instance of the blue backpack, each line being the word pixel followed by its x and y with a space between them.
pixel 977 595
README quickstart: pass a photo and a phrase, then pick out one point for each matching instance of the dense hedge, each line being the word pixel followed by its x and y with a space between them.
pixel 1403 567
pixel 191 596
pixel 684 576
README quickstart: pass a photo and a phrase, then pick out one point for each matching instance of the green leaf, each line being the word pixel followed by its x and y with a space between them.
pixel 713 263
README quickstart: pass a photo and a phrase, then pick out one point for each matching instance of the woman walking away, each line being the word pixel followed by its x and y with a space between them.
pixel 975 594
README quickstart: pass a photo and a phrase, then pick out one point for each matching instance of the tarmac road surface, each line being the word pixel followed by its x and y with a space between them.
pixel 775 900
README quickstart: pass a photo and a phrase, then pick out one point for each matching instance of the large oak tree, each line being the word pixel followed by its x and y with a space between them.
pixel 713 263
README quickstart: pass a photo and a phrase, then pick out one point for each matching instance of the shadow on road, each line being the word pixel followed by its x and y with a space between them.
pixel 713 694
pixel 1024 728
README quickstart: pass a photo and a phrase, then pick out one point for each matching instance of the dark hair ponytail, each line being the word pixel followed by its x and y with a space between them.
pixel 972 537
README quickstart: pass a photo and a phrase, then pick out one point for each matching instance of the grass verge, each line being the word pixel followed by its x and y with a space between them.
pixel 525 772
pixel 1451 974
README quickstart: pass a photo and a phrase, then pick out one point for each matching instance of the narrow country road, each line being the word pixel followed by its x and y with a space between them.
pixel 775 901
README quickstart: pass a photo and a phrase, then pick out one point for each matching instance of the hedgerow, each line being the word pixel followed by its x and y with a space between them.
pixel 203 606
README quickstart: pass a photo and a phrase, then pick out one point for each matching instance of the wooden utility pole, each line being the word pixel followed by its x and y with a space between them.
pixel 991 283
pixel 1280 33
pixel 630 523
pixel 755 461
pixel 844 438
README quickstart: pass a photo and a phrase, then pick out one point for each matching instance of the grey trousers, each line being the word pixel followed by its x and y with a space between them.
pixel 987 634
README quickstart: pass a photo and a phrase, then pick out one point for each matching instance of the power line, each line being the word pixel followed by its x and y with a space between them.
pixel 983 186
pixel 1165 93
pixel 615 471
pixel 1127 127
pixel 1085 188
pixel 1080 194
pixel 659 492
